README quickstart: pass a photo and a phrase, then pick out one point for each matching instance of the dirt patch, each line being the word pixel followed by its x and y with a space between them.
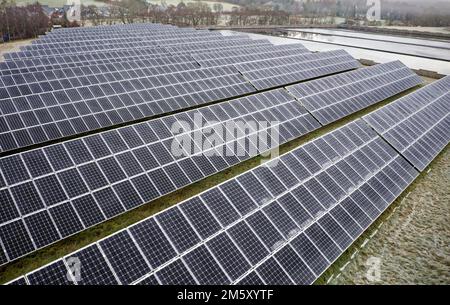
pixel 12 46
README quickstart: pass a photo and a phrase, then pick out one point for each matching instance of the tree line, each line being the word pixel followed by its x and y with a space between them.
pixel 20 22
pixel 190 14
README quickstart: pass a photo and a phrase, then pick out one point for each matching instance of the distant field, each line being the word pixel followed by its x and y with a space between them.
pixel 226 6
pixel 442 30
pixel 59 3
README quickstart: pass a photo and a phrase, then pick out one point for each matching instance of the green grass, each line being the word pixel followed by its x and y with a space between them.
pixel 73 243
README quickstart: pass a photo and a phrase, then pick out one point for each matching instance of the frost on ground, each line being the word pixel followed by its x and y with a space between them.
pixel 413 244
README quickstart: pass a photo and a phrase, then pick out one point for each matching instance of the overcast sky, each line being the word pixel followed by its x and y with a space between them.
pixel 418 1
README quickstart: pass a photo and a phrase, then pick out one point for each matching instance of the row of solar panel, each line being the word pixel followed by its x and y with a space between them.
pixel 114 36
pixel 100 31
pixel 162 40
pixel 94 37
pixel 230 60
pixel 205 253
pixel 223 53
pixel 284 223
pixel 104 175
pixel 152 131
pixel 344 80
pixel 56 79
pixel 166 65
pixel 374 69
pixel 418 124
pixel 17 66
pixel 140 36
pixel 72 61
pixel 61 113
pixel 286 70
pixel 11 166
pixel 335 97
pixel 58 62
pixel 59 36
pixel 142 67
pixel 79 113
pixel 29 84
pixel 123 45
pixel 210 47
pixel 443 85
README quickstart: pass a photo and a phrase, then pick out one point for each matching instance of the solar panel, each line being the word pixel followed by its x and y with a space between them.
pixel 417 125
pixel 61 113
pixel 114 30
pixel 94 74
pixel 207 47
pixel 140 36
pixel 79 60
pixel 248 51
pixel 93 35
pixel 76 77
pixel 87 46
pixel 82 182
pixel 239 56
pixel 282 71
pixel 48 39
pixel 254 248
pixel 119 45
pixel 335 97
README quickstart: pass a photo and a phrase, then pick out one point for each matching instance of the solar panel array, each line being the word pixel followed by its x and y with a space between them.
pixel 279 224
pixel 113 45
pixel 210 47
pixel 418 124
pixel 42 106
pixel 11 83
pixel 78 60
pixel 61 113
pixel 140 36
pixel 58 190
pixel 275 72
pixel 139 33
pixel 334 97
pixel 215 59
pixel 123 30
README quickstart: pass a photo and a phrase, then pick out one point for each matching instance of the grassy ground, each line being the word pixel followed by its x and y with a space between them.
pixel 68 245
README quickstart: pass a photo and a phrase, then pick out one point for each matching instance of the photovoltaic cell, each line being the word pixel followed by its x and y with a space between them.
pixel 124 257
pixel 107 174
pixel 416 125
pixel 289 236
pixel 284 240
pixel 334 97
